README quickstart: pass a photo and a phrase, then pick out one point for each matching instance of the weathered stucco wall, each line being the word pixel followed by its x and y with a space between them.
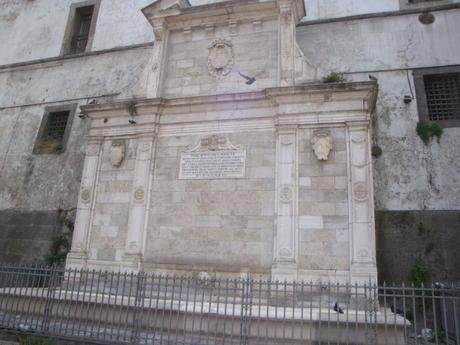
pixel 408 175
pixel 47 182
pixel 27 235
pixel 405 237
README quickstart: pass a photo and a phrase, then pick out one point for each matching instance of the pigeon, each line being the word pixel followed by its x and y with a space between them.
pixel 131 121
pixel 94 101
pixel 250 80
pixel 396 311
pixel 371 77
pixel 337 308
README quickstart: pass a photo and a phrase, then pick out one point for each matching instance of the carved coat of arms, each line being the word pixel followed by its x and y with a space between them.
pixel 322 145
pixel 220 58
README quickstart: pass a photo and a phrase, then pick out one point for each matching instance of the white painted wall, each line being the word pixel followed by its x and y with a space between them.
pixel 321 9
pixel 35 29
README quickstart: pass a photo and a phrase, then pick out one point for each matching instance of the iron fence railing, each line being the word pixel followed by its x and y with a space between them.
pixel 142 308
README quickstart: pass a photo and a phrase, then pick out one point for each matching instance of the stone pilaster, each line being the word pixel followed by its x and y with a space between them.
pixel 159 50
pixel 363 256
pixel 138 206
pixel 287 25
pixel 286 236
pixel 79 252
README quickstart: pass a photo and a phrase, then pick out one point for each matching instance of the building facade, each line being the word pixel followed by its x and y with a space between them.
pixel 62 55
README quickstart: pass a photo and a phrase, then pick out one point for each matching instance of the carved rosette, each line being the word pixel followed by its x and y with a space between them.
pixel 363 253
pixel 220 58
pixel 145 147
pixel 322 145
pixel 85 195
pixel 360 191
pixel 139 194
pixel 286 194
pixel 285 253
pixel 78 246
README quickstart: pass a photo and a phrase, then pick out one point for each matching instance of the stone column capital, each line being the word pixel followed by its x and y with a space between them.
pixel 93 146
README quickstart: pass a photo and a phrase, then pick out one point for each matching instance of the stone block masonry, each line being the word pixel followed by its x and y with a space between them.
pixel 209 220
pixel 225 169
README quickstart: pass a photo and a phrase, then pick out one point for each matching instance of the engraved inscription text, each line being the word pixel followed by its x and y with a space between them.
pixel 212 164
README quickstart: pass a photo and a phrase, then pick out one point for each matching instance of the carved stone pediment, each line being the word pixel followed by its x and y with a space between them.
pixel 162 8
pixel 214 143
pixel 322 145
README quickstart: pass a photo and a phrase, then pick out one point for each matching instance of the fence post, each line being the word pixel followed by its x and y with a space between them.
pixel 138 308
pixel 245 310
pixel 371 313
pixel 49 298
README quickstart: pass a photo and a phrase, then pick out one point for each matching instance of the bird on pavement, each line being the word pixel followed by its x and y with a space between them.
pixel 337 308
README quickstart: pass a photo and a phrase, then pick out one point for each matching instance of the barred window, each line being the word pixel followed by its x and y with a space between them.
pixel 443 96
pixel 406 4
pixel 438 95
pixel 56 126
pixel 54 129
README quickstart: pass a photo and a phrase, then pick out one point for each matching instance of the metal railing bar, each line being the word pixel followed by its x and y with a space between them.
pixel 143 308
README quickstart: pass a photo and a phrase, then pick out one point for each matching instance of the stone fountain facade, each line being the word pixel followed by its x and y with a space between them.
pixel 236 162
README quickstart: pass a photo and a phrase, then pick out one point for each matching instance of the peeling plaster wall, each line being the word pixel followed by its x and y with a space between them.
pixel 409 175
pixel 36 182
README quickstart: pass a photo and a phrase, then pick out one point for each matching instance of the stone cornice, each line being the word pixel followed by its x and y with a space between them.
pixel 367 91
pixel 298 105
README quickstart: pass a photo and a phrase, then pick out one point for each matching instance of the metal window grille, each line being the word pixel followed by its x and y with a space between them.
pixel 443 96
pixel 78 44
pixel 142 308
pixel 56 126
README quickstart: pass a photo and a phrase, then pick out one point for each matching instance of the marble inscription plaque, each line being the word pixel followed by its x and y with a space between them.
pixel 212 165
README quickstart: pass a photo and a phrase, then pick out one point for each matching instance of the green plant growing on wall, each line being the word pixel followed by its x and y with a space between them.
pixel 60 245
pixel 334 77
pixel 35 341
pixel 48 145
pixel 131 108
pixel 420 274
pixel 376 151
pixel 428 130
